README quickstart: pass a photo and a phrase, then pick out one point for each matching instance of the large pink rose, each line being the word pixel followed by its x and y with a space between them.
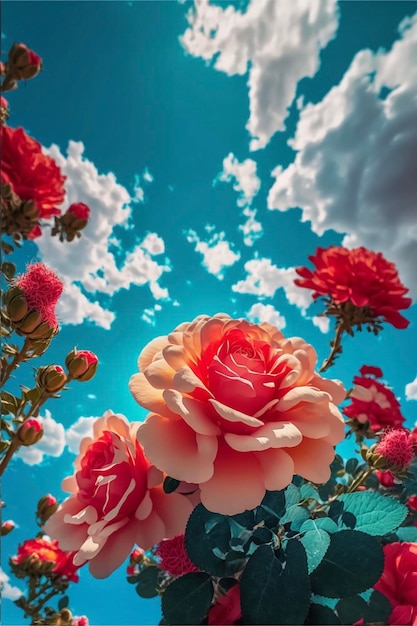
pixel 237 409
pixel 116 500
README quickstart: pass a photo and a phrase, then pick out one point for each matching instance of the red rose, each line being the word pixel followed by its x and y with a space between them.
pixel 399 582
pixel 80 210
pixel 227 609
pixel 174 557
pixel 386 479
pixel 373 402
pixel 48 552
pixel 32 174
pixel 363 278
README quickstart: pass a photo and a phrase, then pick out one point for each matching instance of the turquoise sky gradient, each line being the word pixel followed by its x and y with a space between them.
pixel 162 121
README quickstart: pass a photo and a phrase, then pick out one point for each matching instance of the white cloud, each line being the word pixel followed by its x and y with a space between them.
pixel 263 279
pixel 266 313
pixel 148 315
pixel 52 443
pixel 83 427
pixel 89 261
pixel 411 390
pixel 323 323
pixel 251 229
pixel 354 171
pixel 243 176
pixel 217 253
pixel 147 176
pixel 277 42
pixel 7 590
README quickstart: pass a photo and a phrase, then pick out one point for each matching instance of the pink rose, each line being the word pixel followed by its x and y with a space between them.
pixel 237 409
pixel 116 500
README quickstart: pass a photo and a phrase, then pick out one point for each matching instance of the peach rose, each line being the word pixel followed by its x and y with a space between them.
pixel 237 409
pixel 116 500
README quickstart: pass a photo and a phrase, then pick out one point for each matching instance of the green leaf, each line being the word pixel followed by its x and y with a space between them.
pixel 322 615
pixel 132 580
pixel 272 593
pixel 351 609
pixel 292 496
pixel 147 581
pixel 63 603
pixel 187 599
pixel 315 543
pixel 374 610
pixel 296 515
pixel 407 533
pixel 351 465
pixel 353 563
pixel 307 491
pixel 8 269
pixel 271 509
pixel 374 513
pixel 207 541
pixel 170 484
pixel 323 523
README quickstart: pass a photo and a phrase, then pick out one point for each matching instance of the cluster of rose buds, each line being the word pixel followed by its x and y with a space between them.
pixel 22 64
pixel 70 225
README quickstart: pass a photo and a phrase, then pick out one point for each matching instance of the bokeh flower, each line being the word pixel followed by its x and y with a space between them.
pixel 363 279
pixel 47 551
pixel 397 447
pixel 32 174
pixel 116 500
pixel 23 63
pixel 174 557
pixel 373 405
pixel 398 582
pixel 237 409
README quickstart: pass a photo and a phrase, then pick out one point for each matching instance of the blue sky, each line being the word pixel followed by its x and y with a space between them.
pixel 218 144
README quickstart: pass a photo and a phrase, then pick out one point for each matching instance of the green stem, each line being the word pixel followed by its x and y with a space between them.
pixel 360 479
pixel 14 445
pixel 17 359
pixel 335 348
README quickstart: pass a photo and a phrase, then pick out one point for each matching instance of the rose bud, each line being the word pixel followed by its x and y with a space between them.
pixel 4 110
pixel 23 63
pixel 47 506
pixel 81 364
pixel 30 432
pixel 7 527
pixel 51 378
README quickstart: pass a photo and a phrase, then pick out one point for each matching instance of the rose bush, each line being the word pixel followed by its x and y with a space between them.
pixel 236 408
pixel 116 500
pixel 399 582
pixel 359 276
pixel 32 174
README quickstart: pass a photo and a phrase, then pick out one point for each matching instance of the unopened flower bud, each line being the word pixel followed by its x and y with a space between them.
pixel 7 527
pixel 23 63
pixel 51 378
pixel 47 506
pixel 397 448
pixel 137 555
pixel 4 110
pixel 30 432
pixel 374 460
pixel 81 364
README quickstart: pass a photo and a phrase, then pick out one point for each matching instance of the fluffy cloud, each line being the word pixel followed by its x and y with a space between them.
pixel 88 265
pixel 246 182
pixel 411 390
pixel 354 171
pixel 243 176
pixel 217 253
pixel 266 313
pixel 83 427
pixel 278 43
pixel 148 315
pixel 264 278
pixel 52 443
pixel 323 323
pixel 7 590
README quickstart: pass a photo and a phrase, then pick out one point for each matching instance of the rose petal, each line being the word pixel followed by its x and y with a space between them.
pixel 118 548
pixel 146 395
pixel 173 508
pixel 278 468
pixel 148 353
pixel 312 459
pixel 301 394
pixel 171 445
pixel 149 531
pixel 159 374
pixel 274 435
pixel 192 411
pixel 232 415
pixel 186 381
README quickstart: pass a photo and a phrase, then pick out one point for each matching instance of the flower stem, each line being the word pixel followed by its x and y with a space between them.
pixel 17 359
pixel 360 480
pixel 14 445
pixel 336 348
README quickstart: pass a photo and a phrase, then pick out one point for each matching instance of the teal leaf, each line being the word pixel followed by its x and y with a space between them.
pixel 374 513
pixel 292 495
pixel 187 599
pixel 353 563
pixel 315 543
pixel 271 509
pixel 307 491
pixel 272 593
pixel 323 523
pixel 170 484
pixel 296 515
pixel 407 533
pixel 351 465
pixel 63 603
pixel 147 581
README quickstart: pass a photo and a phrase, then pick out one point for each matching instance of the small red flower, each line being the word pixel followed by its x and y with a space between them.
pixel 32 174
pixel 42 289
pixel 363 278
pixel 373 402
pixel 174 557
pixel 227 608
pixel 80 210
pixel 398 582
pixel 48 552
pixel 397 446
pixel 386 479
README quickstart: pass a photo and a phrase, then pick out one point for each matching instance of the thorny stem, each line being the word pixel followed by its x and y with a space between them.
pixel 335 348
pixel 17 359
pixel 360 479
